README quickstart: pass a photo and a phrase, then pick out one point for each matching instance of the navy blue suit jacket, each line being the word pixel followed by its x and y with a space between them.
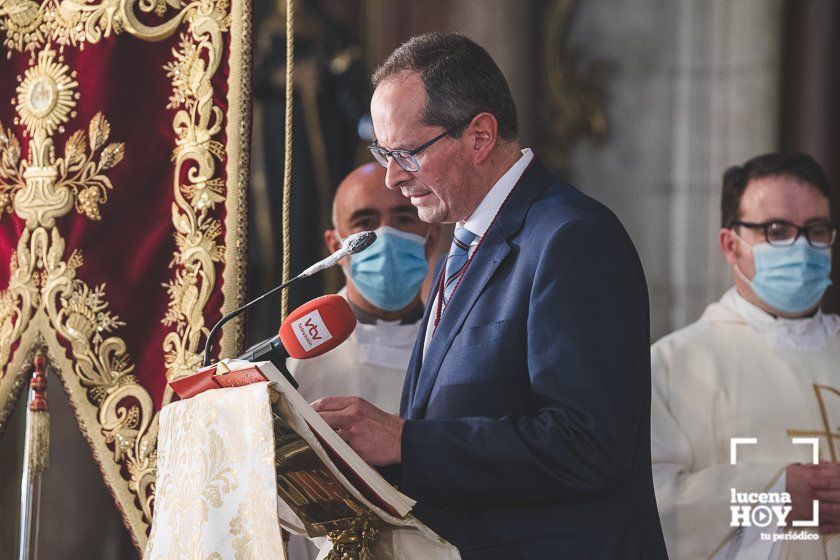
pixel 528 420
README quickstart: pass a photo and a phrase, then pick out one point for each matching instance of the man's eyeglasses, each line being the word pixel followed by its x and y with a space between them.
pixel 784 234
pixel 406 158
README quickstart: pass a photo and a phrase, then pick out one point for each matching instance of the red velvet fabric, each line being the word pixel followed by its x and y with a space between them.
pixel 131 248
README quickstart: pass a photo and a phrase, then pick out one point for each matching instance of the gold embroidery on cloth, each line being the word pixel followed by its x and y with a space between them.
pixel 197 188
pixel 47 94
pixel 40 189
pixel 30 26
pixel 197 485
pixel 216 479
pixel 23 22
pixel 251 529
pixel 831 435
pixel 197 121
pixel 43 188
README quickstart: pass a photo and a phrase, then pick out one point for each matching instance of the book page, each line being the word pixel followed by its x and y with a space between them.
pixel 399 502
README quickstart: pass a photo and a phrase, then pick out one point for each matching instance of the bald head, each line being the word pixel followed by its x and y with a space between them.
pixel 369 178
pixel 363 203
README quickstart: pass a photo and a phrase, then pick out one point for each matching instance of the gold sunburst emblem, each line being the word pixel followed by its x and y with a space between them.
pixel 47 94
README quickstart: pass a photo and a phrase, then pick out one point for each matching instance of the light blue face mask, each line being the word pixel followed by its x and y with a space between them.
pixel 389 273
pixel 791 279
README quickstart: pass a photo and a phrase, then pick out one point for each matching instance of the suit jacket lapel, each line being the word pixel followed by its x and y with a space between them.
pixel 416 361
pixel 489 255
pixel 487 259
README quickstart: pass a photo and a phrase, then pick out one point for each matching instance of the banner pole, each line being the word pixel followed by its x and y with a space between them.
pixel 35 460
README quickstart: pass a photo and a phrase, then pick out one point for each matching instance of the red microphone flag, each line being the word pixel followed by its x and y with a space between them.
pixel 312 329
pixel 317 327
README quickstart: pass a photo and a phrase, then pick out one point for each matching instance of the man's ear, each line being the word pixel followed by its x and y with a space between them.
pixel 728 244
pixel 332 241
pixel 484 131
pixel 433 240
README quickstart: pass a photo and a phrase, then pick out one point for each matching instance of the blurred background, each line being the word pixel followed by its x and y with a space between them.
pixel 640 103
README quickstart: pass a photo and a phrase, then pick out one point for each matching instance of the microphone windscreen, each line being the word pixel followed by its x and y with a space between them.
pixel 317 327
pixel 358 242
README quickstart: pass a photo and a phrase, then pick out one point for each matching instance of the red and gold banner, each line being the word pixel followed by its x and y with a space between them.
pixel 124 135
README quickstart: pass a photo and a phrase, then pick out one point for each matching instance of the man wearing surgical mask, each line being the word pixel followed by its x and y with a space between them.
pixel 383 288
pixel 763 363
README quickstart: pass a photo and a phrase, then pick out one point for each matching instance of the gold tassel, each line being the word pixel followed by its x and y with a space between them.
pixel 38 419
pixel 39 440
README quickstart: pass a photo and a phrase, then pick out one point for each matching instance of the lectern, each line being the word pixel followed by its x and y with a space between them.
pixel 239 463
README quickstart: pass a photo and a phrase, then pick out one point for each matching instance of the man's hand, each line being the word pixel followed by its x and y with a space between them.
pixel 372 433
pixel 806 483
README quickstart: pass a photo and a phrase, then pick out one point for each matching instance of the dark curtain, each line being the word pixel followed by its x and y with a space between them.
pixel 330 108
pixel 810 120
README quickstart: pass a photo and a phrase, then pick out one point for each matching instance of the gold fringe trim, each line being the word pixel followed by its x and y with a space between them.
pixel 39 440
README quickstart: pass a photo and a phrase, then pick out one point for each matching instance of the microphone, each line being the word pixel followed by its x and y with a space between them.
pixel 353 244
pixel 314 328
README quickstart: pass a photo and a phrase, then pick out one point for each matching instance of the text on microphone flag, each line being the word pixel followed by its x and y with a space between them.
pixel 311 331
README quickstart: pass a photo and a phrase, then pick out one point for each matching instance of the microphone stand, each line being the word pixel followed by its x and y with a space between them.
pixel 239 311
pixel 353 244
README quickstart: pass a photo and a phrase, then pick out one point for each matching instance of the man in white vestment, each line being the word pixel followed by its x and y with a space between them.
pixel 383 288
pixel 761 364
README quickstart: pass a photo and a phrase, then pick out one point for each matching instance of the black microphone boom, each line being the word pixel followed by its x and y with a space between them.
pixel 354 243
pixel 237 312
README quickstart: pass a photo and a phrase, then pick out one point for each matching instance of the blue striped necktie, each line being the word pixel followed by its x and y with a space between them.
pixel 457 260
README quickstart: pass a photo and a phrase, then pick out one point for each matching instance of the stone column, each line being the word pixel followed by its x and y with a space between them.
pixel 726 111
pixel 694 90
pixel 505 28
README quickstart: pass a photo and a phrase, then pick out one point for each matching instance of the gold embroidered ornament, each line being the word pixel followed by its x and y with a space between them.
pixel 29 26
pixel 23 22
pixel 47 94
pixel 45 293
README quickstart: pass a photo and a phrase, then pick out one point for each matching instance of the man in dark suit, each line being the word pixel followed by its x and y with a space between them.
pixel 525 420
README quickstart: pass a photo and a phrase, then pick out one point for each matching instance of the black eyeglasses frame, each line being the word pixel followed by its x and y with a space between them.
pixel 382 154
pixel 805 230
